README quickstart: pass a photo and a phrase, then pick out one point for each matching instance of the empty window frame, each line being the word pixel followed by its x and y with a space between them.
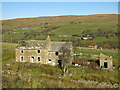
pixel 21 51
pixel 32 57
pixel 38 51
pixel 21 58
pixel 56 53
pixel 49 61
pixel 38 58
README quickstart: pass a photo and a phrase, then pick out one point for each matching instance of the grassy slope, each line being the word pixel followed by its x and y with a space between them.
pixel 8 52
pixel 8 45
pixel 77 29
pixel 47 76
pixel 41 74
pixel 91 22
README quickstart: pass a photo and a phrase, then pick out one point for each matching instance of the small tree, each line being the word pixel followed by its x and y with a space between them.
pixel 66 59
pixel 74 42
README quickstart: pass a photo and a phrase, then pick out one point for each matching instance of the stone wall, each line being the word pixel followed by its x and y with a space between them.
pixel 27 53
pixel 105 61
pixel 44 56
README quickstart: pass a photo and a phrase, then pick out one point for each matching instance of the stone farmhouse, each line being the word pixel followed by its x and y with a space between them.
pixel 42 51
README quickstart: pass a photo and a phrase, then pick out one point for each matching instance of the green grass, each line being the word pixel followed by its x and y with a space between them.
pixel 8 56
pixel 91 22
pixel 9 45
pixel 13 36
pixel 25 22
pixel 8 52
pixel 103 39
pixel 57 38
pixel 109 52
pixel 41 76
pixel 76 29
pixel 97 75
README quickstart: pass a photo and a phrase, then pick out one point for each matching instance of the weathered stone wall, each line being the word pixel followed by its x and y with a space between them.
pixel 102 58
pixel 44 56
pixel 105 59
pixel 109 63
pixel 28 53
pixel 54 58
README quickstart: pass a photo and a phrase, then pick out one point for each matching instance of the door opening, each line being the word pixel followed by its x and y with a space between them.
pixel 105 64
pixel 32 58
pixel 60 62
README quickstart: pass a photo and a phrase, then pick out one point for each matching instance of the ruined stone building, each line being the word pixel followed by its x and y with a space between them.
pixel 105 61
pixel 102 61
pixel 42 51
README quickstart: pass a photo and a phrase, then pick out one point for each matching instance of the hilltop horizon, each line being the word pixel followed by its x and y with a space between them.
pixel 55 16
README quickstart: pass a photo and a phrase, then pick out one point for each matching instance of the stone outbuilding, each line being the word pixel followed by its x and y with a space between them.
pixel 105 61
pixel 42 51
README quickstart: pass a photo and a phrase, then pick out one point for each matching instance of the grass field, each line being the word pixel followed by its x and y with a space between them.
pixel 8 45
pixel 76 29
pixel 109 52
pixel 17 28
pixel 8 52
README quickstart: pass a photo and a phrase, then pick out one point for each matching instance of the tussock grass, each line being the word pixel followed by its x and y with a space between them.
pixel 45 76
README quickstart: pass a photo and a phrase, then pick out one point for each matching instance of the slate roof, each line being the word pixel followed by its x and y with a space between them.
pixel 34 44
pixel 58 46
pixel 45 44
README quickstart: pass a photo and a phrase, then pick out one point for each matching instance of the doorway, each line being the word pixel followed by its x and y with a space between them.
pixel 60 62
pixel 105 64
pixel 32 59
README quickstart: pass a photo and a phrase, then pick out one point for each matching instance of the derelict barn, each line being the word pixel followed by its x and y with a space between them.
pixel 102 62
